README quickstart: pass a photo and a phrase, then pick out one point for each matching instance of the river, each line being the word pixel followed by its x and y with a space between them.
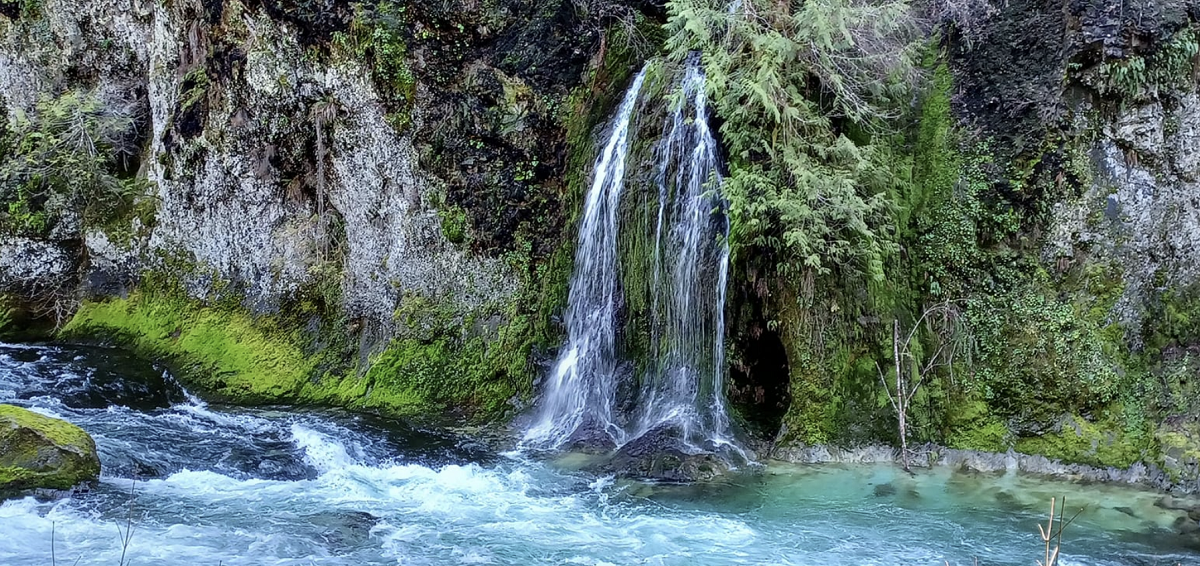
pixel 233 486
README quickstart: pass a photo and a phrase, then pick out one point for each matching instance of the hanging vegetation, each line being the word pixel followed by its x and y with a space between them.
pixel 72 155
pixel 807 91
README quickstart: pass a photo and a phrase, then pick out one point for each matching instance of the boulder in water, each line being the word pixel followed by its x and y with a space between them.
pixel 1126 510
pixel 1186 526
pixel 37 451
pixel 1172 503
pixel 661 454
pixel 590 438
pixel 885 490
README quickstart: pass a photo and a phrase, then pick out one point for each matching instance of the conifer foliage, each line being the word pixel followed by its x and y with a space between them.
pixel 70 155
pixel 808 91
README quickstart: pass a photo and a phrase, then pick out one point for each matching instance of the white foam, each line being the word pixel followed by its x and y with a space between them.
pixel 43 410
pixel 247 423
pixel 320 451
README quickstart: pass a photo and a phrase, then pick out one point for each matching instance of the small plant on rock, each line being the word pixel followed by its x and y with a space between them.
pixel 67 158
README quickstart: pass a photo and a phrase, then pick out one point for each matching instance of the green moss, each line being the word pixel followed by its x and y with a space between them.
pixel 973 428
pixel 454 224
pixel 835 389
pixel 433 368
pixel 131 222
pixel 936 163
pixel 1184 444
pixel 1176 316
pixel 1180 450
pixel 57 431
pixel 1103 443
pixel 193 89
pixel 234 357
pixel 1037 356
pixel 12 477
pixel 227 353
pixel 37 451
pixel 19 323
pixel 812 416
pixel 30 9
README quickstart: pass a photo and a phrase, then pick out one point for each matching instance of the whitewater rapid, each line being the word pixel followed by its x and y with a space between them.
pixel 218 485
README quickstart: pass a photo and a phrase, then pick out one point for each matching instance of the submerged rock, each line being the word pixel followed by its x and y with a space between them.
pixel 1172 503
pixel 1126 510
pixel 1186 526
pixel 885 490
pixel 590 438
pixel 42 452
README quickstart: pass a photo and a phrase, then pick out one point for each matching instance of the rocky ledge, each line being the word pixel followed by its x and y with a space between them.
pixel 1140 474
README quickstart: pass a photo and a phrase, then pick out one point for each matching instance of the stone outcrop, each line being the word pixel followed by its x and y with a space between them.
pixel 251 187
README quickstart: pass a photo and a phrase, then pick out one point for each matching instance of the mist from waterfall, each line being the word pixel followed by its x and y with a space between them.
pixel 680 387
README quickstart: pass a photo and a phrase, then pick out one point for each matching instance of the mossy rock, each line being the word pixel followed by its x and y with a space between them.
pixel 231 356
pixel 42 452
pixel 1078 440
pixel 1180 444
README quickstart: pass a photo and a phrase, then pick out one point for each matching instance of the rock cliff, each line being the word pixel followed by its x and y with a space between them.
pixel 372 204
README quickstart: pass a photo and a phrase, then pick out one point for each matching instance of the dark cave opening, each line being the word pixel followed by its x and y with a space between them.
pixel 759 385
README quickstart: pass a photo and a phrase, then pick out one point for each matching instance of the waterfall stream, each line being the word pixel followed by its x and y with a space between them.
pixel 583 383
pixel 680 388
pixel 691 265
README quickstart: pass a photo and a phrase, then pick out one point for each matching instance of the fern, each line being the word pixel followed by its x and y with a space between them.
pixel 789 81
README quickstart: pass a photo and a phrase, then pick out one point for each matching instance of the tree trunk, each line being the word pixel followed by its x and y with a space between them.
pixel 901 395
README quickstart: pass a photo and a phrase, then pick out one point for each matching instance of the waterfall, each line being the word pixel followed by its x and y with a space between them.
pixel 681 385
pixel 583 384
pixel 685 385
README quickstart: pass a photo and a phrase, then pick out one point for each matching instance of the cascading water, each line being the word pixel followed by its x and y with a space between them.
pixel 685 385
pixel 583 383
pixel 683 380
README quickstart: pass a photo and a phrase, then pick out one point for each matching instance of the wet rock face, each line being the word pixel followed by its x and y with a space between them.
pixel 1139 215
pixel 1180 442
pixel 661 455
pixel 1011 68
pixel 490 107
pixel 27 263
pixel 36 283
pixel 40 452
pixel 1187 139
pixel 265 151
pixel 590 438
pixel 278 156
